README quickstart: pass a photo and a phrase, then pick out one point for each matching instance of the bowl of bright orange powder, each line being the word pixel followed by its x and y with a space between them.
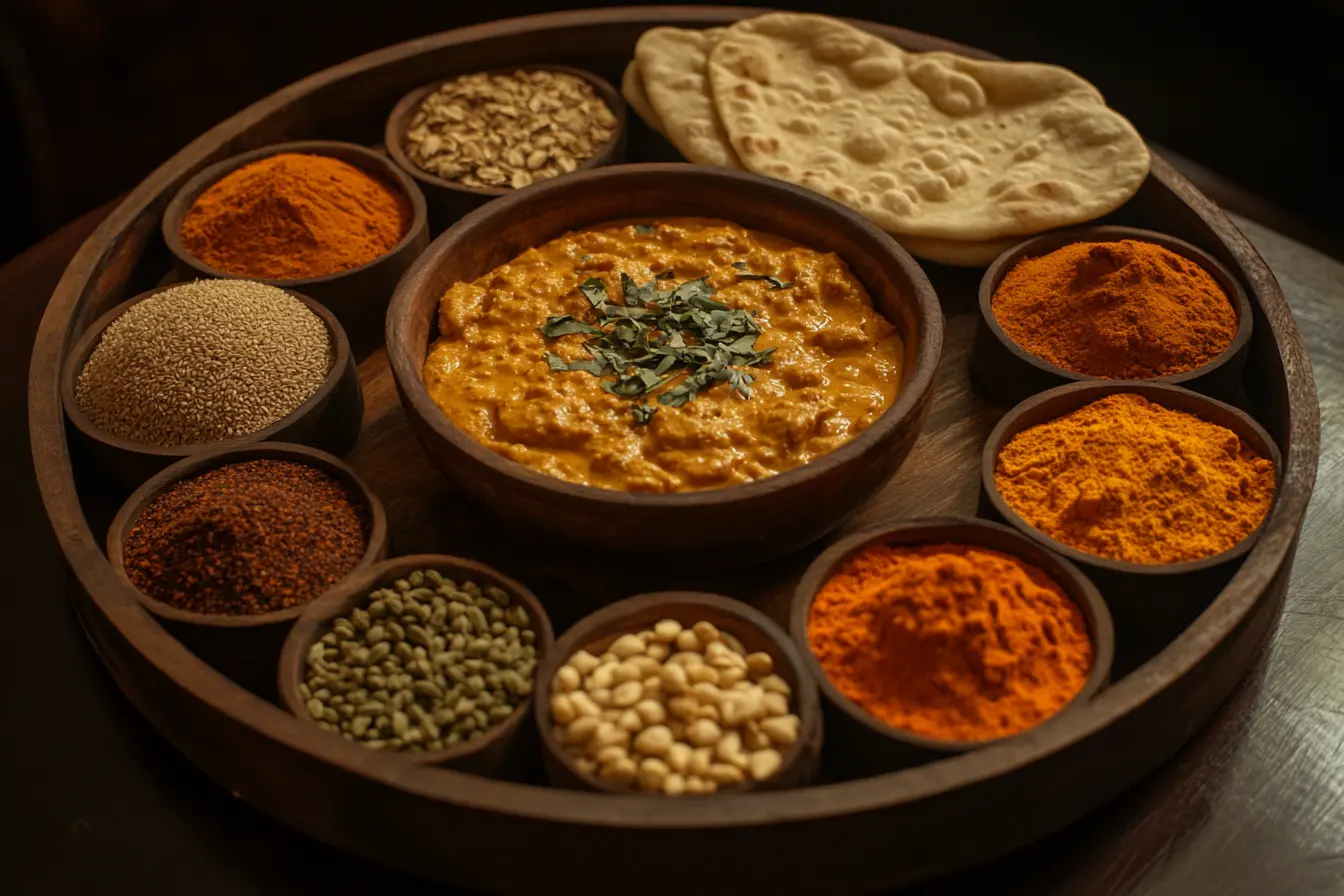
pixel 940 636
pixel 336 221
pixel 1155 491
pixel 1109 303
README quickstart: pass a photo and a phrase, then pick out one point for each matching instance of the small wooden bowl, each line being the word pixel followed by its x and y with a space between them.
pixel 243 648
pixel 595 633
pixel 449 200
pixel 1007 373
pixel 865 745
pixel 503 749
pixel 1152 603
pixel 358 296
pixel 330 419
pixel 738 524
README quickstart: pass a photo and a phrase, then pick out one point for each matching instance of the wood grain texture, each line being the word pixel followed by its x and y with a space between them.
pixel 891 817
pixel 1251 805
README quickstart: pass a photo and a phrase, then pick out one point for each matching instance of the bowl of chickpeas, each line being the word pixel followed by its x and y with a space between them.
pixel 677 693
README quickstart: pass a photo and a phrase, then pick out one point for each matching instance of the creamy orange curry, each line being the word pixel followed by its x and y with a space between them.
pixel 835 367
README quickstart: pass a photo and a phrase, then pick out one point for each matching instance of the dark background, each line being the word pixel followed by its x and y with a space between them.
pixel 100 92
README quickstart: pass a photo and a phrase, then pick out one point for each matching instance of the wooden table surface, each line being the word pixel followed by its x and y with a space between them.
pixel 1253 805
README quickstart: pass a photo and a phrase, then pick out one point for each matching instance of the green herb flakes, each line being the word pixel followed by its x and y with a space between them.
pixel 655 337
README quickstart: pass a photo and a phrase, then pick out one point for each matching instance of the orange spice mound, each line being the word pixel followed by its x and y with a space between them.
pixel 293 216
pixel 1127 310
pixel 950 641
pixel 1131 480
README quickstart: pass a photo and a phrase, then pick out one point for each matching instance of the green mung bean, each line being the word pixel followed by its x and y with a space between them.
pixel 423 665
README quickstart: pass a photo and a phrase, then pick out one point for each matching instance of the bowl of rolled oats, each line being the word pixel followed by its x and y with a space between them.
pixel 472 137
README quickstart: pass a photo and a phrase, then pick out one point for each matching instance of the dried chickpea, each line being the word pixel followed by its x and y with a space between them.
pixel 760 664
pixel 666 630
pixel 651 712
pixel 674 784
pixel 584 662
pixel 627 646
pixel 707 632
pixel 764 763
pixel 627 694
pixel 562 709
pixel 655 740
pixel 782 730
pixel 621 771
pixel 701 674
pixel 679 756
pixel 673 710
pixel 652 774
pixel 567 679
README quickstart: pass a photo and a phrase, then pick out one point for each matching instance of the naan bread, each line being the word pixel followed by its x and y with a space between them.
pixel 956 253
pixel 672 61
pixel 632 88
pixel 927 144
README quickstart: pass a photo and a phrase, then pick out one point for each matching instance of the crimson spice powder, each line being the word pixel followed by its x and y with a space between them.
pixel 247 538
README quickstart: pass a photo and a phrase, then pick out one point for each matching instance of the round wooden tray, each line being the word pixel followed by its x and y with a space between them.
pixel 836 835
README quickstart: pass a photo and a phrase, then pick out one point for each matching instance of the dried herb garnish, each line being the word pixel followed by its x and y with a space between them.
pixel 775 282
pixel 645 229
pixel 654 336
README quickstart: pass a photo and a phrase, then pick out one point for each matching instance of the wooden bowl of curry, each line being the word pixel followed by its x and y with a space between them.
pixel 1151 602
pixel 734 519
pixel 1007 373
pixel 865 744
pixel 358 295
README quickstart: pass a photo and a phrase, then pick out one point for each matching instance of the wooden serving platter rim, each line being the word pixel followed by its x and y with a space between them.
pixel 98 266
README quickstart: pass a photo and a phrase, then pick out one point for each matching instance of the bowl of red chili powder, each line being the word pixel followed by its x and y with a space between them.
pixel 245 537
pixel 1109 303
pixel 939 636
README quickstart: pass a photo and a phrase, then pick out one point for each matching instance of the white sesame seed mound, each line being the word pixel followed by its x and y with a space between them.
pixel 204 362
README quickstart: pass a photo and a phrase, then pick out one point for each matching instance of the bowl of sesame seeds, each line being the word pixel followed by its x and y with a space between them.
pixel 186 369
pixel 469 138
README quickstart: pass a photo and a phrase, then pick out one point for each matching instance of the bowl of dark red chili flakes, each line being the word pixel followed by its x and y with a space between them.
pixel 245 537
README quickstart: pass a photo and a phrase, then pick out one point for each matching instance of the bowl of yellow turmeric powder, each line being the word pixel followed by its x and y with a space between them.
pixel 1149 487
pixel 938 636
pixel 1111 303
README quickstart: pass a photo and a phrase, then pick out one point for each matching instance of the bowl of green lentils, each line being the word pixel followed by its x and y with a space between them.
pixel 189 368
pixel 427 657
